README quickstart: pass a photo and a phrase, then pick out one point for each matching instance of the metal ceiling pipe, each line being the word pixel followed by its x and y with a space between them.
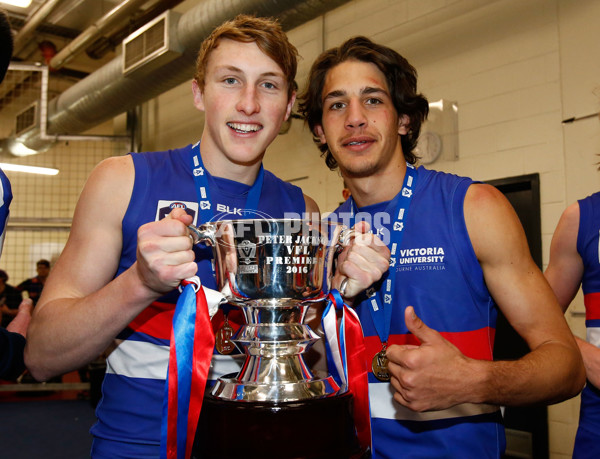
pixel 22 37
pixel 106 93
pixel 108 42
pixel 89 35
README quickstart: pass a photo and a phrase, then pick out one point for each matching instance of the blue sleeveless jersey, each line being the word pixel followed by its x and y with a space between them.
pixel 587 444
pixel 129 413
pixel 437 272
pixel 588 248
pixel 6 197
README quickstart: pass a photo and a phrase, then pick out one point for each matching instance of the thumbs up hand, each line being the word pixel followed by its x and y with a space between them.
pixel 434 375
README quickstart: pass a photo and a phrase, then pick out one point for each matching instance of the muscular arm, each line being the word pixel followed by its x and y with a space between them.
pixel 552 370
pixel 82 309
pixel 435 375
pixel 564 274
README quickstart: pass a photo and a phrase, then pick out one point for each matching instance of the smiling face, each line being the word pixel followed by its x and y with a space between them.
pixel 245 100
pixel 360 124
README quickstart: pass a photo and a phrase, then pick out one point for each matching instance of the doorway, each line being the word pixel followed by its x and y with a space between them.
pixel 526 427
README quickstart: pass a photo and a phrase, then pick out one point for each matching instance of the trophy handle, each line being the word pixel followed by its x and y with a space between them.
pixel 346 235
pixel 204 233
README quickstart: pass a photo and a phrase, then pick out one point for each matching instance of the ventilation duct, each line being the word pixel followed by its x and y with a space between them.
pixel 27 119
pixel 107 93
pixel 151 46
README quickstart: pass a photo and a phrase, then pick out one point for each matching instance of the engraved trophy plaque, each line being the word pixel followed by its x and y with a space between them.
pixel 275 407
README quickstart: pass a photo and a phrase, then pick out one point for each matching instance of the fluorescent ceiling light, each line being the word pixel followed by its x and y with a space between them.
pixel 19 3
pixel 28 169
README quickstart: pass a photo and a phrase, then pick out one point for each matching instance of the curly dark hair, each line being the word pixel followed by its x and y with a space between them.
pixel 401 79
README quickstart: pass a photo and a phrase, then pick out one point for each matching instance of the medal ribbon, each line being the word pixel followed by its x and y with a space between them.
pixel 346 355
pixel 189 362
pixel 192 338
pixel 346 352
pixel 381 303
pixel 202 187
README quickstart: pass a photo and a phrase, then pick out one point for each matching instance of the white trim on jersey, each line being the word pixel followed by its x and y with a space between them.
pixel 593 336
pixel 139 359
pixel 383 406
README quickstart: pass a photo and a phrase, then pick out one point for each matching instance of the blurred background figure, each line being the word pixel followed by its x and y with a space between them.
pixel 10 299
pixel 12 342
pixel 574 263
pixel 34 286
pixel 12 339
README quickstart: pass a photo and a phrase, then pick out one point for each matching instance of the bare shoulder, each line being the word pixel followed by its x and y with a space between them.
pixel 485 206
pixel 481 195
pixel 493 225
pixel 116 171
pixel 109 187
pixel 570 217
pixel 311 206
pixel 563 248
pixel 96 232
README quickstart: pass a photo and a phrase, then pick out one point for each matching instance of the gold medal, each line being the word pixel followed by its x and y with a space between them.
pixel 380 366
pixel 223 341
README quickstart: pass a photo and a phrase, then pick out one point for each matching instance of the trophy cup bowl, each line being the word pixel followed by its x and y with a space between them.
pixel 274 270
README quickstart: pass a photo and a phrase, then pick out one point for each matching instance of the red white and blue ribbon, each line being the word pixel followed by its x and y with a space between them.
pixel 189 362
pixel 347 360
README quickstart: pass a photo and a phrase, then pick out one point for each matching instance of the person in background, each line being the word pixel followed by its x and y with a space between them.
pixel 132 220
pixel 574 263
pixel 12 339
pixel 10 299
pixel 458 256
pixel 12 342
pixel 35 285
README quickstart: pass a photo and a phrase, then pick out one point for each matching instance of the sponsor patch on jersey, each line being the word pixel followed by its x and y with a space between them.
pixel 420 259
pixel 164 208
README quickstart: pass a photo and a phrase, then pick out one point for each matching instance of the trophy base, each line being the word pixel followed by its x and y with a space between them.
pixel 309 429
pixel 234 389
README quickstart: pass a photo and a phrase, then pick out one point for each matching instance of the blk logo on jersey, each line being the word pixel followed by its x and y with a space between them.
pixel 164 208
pixel 230 210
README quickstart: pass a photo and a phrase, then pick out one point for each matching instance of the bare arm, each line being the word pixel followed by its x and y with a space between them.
pixel 564 274
pixel 553 370
pixel 436 375
pixel 21 321
pixel 82 309
pixel 310 206
pixel 565 268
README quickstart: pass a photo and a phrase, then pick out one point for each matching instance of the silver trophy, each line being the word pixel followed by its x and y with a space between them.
pixel 274 270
